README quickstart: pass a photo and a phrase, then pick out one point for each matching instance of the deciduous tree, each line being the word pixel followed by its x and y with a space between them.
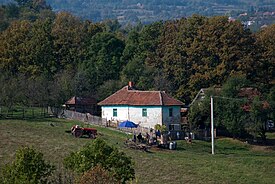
pixel 99 153
pixel 28 167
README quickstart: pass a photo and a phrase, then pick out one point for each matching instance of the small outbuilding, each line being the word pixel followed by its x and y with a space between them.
pixel 81 104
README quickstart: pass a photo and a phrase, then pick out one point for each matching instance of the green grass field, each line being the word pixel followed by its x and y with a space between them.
pixel 234 162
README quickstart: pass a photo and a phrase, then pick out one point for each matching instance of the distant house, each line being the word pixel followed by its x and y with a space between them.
pixel 83 105
pixel 202 93
pixel 248 93
pixel 147 108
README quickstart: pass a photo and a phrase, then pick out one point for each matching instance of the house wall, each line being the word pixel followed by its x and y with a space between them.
pixel 134 113
pixel 107 112
pixel 174 119
pixel 155 115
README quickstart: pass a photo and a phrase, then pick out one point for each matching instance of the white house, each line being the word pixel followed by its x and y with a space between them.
pixel 147 108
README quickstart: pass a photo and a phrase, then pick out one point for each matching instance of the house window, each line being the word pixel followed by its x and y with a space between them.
pixel 171 127
pixel 170 112
pixel 144 112
pixel 174 127
pixel 115 112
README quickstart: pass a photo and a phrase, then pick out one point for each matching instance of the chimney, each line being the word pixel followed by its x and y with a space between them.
pixel 130 85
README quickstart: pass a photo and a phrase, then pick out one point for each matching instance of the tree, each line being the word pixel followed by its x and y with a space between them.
pixel 199 114
pixel 265 41
pixel 228 111
pixel 12 45
pixel 232 86
pixel 258 118
pixel 200 52
pixel 28 167
pixel 97 175
pixel 99 153
pixel 4 23
pixel 173 56
pixel 103 60
pixel 68 34
pixel 12 11
pixel 271 101
pixel 61 88
pixel 37 55
pixel 140 47
pixel 27 48
pixel 108 88
pixel 11 92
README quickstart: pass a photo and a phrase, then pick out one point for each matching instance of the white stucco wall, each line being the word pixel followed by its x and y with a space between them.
pixel 134 113
pixel 155 115
pixel 107 112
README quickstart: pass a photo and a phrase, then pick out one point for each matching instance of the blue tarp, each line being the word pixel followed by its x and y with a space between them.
pixel 127 124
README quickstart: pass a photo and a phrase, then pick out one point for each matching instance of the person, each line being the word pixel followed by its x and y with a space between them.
pixel 139 137
pixel 157 134
pixel 86 117
pixel 178 135
pixel 74 128
pixel 169 135
pixel 147 137
pixel 135 137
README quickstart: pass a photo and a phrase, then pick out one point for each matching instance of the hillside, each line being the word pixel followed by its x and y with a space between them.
pixel 234 162
pixel 133 11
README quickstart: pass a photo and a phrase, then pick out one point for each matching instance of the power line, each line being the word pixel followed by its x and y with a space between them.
pixel 230 98
pixel 237 99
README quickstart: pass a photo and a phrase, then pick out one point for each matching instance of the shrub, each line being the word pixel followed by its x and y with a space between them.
pixel 99 153
pixel 97 175
pixel 29 167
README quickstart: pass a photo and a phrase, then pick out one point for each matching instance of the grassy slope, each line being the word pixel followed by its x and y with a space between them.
pixel 191 163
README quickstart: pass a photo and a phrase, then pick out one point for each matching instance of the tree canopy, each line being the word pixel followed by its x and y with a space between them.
pixel 99 153
pixel 79 57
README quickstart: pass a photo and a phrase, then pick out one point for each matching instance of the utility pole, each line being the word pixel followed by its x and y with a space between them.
pixel 212 125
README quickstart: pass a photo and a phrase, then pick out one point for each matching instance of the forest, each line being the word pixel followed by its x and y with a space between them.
pixel 47 57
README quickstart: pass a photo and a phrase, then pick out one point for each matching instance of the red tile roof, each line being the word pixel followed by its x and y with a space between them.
pixel 249 93
pixel 81 101
pixel 137 98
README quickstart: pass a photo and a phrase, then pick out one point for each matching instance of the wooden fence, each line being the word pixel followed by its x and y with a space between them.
pixel 95 120
pixel 84 117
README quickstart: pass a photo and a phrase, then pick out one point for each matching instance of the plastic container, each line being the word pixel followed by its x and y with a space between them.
pixel 172 145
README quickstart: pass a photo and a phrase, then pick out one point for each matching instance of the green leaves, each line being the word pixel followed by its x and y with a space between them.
pixel 103 59
pixel 99 153
pixel 68 41
pixel 28 167
pixel 178 56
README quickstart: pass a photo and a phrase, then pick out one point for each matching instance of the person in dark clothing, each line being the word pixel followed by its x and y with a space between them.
pixel 139 137
pixel 158 134
pixel 135 137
